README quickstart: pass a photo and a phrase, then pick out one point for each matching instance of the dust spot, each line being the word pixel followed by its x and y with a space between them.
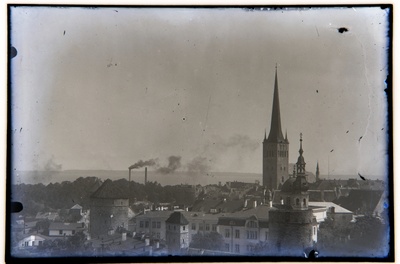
pixel 342 30
pixel 12 52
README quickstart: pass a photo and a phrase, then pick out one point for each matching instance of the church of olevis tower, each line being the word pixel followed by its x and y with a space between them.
pixel 275 148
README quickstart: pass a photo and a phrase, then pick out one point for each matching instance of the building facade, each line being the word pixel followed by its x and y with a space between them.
pixel 246 231
pixel 65 229
pixel 275 148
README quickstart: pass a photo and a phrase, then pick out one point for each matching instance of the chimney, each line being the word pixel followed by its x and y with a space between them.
pixel 270 203
pixel 129 174
pixel 145 175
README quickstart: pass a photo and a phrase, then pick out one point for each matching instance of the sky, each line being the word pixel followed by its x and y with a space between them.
pixel 104 88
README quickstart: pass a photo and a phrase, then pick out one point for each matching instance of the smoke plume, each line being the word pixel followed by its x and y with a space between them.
pixel 174 163
pixel 141 163
pixel 51 165
pixel 198 164
pixel 237 141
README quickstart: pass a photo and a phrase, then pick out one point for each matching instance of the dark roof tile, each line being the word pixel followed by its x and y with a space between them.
pixel 177 218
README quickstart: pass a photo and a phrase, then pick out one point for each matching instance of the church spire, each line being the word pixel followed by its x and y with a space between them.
pixel 275 133
pixel 301 164
pixel 317 172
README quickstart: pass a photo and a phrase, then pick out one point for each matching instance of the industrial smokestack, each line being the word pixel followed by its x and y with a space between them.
pixel 129 174
pixel 145 175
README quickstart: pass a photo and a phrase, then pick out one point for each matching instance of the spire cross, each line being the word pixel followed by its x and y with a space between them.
pixel 301 144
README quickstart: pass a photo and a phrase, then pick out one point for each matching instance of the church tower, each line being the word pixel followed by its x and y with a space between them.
pixel 275 148
pixel 317 173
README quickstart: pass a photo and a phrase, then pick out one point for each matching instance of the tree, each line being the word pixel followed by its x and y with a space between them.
pixel 209 240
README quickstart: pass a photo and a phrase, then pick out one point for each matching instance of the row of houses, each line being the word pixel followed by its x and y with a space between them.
pixel 242 231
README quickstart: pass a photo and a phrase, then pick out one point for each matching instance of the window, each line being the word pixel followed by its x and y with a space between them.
pixel 227 247
pixel 214 228
pixel 200 227
pixel 251 234
pixel 297 201
pixel 40 243
pixel 193 226
pixel 158 224
pixel 227 233
pixel 169 227
pixel 60 232
pixel 153 224
pixel 250 248
pixel 237 248
pixel 184 228
pixel 288 200
pixel 146 224
pixel 252 224
pixel 315 230
pixel 141 224
pixel 237 233
pixel 304 202
pixel 207 227
pixel 183 241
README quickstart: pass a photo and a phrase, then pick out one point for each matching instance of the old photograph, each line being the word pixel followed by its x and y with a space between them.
pixel 200 131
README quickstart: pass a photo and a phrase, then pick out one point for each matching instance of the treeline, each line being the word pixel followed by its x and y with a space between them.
pixel 39 197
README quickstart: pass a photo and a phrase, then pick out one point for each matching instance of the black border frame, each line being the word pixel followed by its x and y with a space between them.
pixel 389 82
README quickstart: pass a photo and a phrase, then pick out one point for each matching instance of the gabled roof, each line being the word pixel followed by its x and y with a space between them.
pixel 65 226
pixel 177 218
pixel 205 205
pixel 76 206
pixel 327 205
pixel 108 190
pixel 360 201
pixel 230 206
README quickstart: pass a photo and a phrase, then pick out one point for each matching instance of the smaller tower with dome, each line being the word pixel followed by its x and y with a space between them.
pixel 292 224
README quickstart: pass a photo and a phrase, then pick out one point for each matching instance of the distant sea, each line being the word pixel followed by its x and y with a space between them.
pixel 177 177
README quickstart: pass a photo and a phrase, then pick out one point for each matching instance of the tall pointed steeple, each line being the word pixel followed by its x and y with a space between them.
pixel 317 172
pixel 275 147
pixel 275 133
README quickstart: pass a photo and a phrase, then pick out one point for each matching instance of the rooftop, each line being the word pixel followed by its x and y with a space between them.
pixel 65 226
pixel 177 218
pixel 327 205
pixel 110 190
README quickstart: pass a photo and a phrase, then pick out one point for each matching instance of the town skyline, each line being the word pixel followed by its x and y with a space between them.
pixel 147 84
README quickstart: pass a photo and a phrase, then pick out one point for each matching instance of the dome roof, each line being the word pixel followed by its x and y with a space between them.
pixel 300 184
pixel 288 185
pixel 300 160
pixel 295 185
